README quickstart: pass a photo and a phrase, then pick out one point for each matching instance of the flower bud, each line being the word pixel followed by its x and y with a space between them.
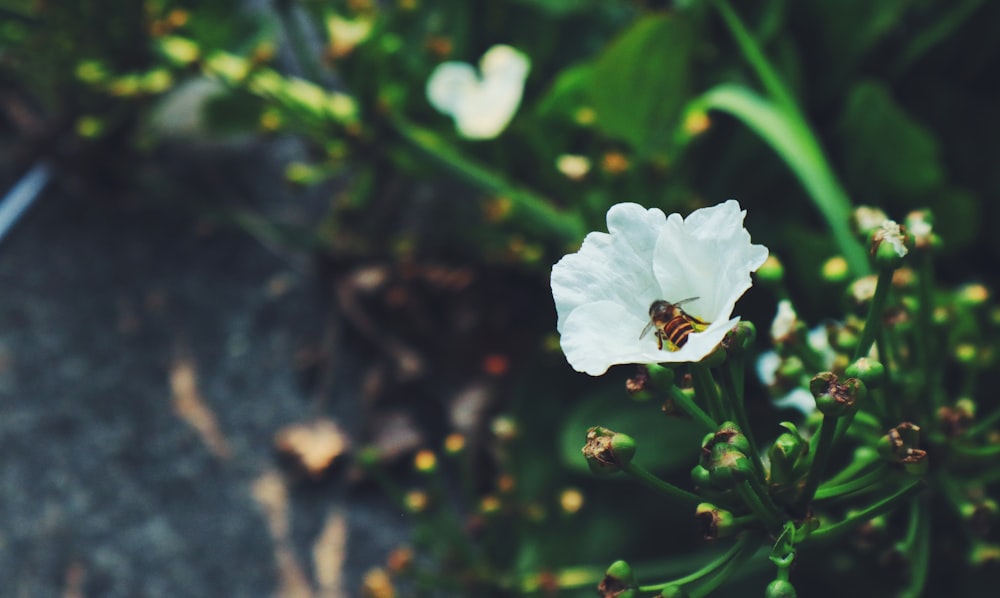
pixel 984 554
pixel 638 386
pixel 729 466
pixel 862 290
pixel 740 338
pixel 714 522
pixel 607 451
pixel 618 582
pixel 780 588
pixel 701 478
pixel 899 446
pixel 786 455
pixel 865 220
pixel 920 223
pixel 980 515
pixel 835 399
pixel 956 419
pixel 889 245
pixel 674 591
pixel 660 376
pixel 869 371
pixel 730 433
pixel 771 272
pixel 972 295
pixel 835 269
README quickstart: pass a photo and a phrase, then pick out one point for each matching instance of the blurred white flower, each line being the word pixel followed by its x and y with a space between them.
pixel 784 321
pixel 573 166
pixel 481 104
pixel 603 293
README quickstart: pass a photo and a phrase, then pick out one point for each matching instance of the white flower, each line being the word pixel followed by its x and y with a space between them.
pixel 482 104
pixel 604 291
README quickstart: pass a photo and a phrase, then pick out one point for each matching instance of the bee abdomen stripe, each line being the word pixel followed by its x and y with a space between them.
pixel 677 331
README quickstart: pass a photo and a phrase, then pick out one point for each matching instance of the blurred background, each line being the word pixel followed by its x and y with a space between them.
pixel 272 322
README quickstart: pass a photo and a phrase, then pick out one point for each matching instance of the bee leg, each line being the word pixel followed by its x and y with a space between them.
pixel 659 340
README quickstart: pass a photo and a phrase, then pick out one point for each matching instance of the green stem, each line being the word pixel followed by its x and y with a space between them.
pixel 741 545
pixel 763 508
pixel 720 576
pixel 567 226
pixel 667 489
pixel 855 468
pixel 975 452
pixel 984 425
pixel 922 334
pixel 731 375
pixel 704 387
pixel 918 543
pixel 692 408
pixel 872 479
pixel 821 454
pixel 873 323
pixel 881 507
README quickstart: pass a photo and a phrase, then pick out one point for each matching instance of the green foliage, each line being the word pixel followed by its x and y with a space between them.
pixel 637 99
pixel 888 155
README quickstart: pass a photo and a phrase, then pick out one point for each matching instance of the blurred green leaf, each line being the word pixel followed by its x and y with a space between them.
pixel 233 112
pixel 641 82
pixel 663 443
pixel 568 94
pixel 889 153
pixel 851 28
pixel 560 8
pixel 957 217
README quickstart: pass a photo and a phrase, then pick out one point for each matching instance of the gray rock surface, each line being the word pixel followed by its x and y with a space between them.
pixel 110 483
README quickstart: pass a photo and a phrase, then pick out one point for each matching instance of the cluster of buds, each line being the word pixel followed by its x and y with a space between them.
pixel 724 461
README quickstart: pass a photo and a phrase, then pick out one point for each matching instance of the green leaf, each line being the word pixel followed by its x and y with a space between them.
pixel 640 83
pixel 662 443
pixel 568 94
pixel 887 151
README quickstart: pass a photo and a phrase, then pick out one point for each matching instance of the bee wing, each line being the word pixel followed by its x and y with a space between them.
pixel 646 329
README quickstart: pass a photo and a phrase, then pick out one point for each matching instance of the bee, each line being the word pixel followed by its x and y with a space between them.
pixel 672 323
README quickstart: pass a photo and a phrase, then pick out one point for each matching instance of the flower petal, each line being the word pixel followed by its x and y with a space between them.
pixel 615 266
pixel 711 258
pixel 449 84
